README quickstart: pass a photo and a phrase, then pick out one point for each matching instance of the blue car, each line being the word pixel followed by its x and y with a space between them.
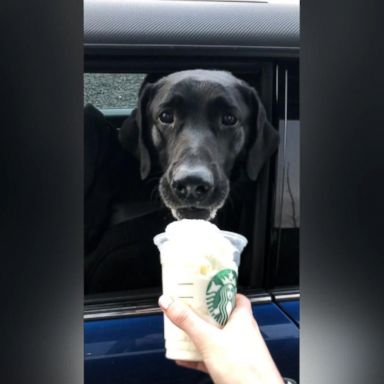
pixel 125 44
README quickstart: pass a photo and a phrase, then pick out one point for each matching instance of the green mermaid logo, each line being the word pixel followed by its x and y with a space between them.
pixel 221 295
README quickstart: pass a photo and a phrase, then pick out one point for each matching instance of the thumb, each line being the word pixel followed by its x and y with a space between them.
pixel 242 313
pixel 186 319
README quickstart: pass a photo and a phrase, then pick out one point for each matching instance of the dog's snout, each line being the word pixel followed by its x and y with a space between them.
pixel 193 184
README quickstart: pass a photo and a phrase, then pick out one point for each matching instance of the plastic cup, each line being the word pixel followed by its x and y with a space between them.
pixel 211 292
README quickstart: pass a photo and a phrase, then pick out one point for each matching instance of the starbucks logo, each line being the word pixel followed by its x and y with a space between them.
pixel 221 295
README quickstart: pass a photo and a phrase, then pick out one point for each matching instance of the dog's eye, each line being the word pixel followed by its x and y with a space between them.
pixel 166 117
pixel 229 119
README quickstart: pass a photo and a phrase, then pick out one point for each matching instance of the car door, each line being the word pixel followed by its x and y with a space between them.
pixel 125 344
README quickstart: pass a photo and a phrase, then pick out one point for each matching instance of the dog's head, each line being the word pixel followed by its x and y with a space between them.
pixel 196 124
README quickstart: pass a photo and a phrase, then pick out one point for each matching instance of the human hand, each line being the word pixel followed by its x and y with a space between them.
pixel 235 354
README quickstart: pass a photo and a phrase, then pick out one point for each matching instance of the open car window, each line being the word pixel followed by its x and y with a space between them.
pixel 269 218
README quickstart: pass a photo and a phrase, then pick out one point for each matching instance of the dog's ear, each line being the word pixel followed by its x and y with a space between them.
pixel 265 138
pixel 133 131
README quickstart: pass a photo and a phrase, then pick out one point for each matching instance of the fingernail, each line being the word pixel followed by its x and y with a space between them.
pixel 165 301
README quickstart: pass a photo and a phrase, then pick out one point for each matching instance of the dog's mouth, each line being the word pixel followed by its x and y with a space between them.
pixel 193 213
pixel 194 208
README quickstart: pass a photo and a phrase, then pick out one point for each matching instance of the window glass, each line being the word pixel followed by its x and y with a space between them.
pixel 287 214
pixel 112 90
pixel 284 260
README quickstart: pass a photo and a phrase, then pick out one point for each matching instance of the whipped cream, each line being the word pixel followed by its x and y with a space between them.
pixel 199 244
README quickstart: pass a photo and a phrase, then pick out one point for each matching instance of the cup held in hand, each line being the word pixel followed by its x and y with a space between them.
pixel 199 266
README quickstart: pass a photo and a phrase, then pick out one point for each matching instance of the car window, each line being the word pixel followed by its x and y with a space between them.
pixel 287 213
pixel 284 258
pixel 112 90
pixel 115 94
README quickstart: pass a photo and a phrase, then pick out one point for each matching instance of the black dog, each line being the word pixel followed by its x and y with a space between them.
pixel 196 137
pixel 196 125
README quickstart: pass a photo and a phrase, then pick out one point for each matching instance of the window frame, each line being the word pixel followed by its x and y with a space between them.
pixel 145 302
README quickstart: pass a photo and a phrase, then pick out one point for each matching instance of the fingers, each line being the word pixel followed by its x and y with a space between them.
pixel 242 311
pixel 243 303
pixel 186 319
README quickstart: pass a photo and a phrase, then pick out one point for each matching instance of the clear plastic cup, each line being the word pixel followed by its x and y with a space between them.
pixel 209 291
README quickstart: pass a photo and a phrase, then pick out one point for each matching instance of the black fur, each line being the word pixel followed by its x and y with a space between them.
pixel 196 139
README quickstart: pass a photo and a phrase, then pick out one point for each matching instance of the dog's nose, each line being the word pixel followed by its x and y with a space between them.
pixel 192 184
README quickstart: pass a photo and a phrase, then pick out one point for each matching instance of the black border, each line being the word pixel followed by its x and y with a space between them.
pixel 41 192
pixel 342 174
